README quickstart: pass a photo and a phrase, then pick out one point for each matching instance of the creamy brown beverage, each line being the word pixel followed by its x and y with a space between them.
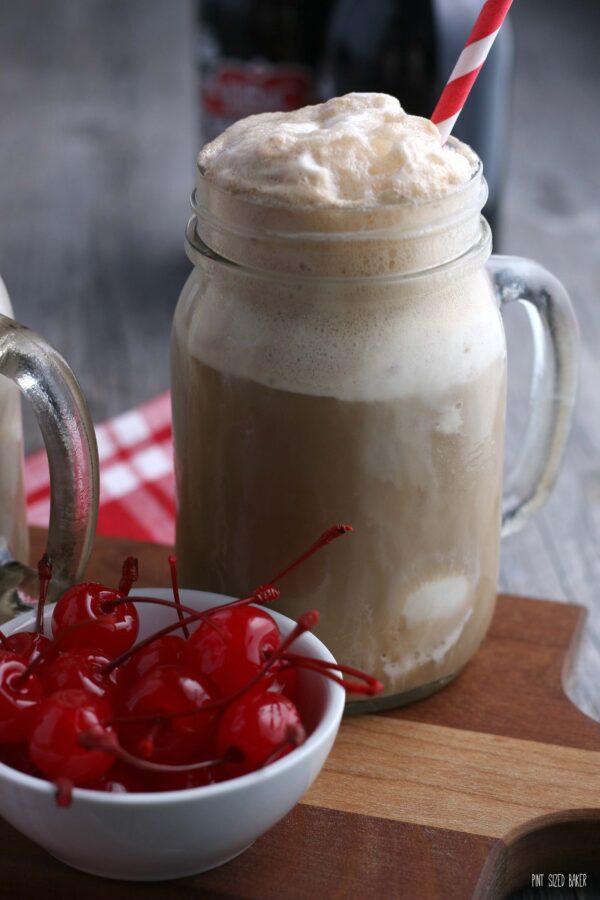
pixel 338 356
pixel 14 542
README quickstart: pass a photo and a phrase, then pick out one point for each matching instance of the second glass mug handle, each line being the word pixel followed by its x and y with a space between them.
pixel 553 384
pixel 61 411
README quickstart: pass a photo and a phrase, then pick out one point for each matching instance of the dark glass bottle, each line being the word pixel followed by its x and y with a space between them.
pixel 258 56
pixel 408 48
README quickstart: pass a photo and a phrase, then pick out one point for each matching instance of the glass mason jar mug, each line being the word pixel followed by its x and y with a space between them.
pixel 50 386
pixel 349 365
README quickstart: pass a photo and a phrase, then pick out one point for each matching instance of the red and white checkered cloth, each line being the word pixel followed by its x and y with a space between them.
pixel 136 476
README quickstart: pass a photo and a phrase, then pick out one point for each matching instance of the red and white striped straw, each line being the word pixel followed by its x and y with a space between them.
pixel 470 61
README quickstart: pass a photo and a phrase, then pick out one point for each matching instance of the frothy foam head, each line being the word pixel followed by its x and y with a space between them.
pixel 359 150
pixel 352 191
pixel 352 187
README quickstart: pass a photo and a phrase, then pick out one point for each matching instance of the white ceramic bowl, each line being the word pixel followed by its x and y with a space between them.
pixel 176 833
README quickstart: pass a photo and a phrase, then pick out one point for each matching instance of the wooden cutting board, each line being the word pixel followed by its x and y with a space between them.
pixel 463 795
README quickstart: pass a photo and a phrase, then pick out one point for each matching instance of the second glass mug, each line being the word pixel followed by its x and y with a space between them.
pixel 48 383
pixel 350 366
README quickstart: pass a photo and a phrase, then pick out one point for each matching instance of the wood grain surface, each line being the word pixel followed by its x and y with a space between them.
pixel 465 794
pixel 497 783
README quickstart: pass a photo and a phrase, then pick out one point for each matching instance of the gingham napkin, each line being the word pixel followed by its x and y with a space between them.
pixel 136 476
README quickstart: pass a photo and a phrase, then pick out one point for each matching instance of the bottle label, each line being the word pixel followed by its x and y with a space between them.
pixel 233 89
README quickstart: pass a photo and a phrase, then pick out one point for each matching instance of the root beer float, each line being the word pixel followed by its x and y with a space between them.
pixel 338 354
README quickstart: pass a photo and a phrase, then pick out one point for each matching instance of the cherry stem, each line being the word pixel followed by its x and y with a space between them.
pixel 306 622
pixel 333 532
pixel 64 791
pixel 108 742
pixel 351 687
pixel 264 594
pixel 371 687
pixel 261 595
pixel 193 616
pixel 44 576
pixel 109 605
pixel 175 587
pixel 47 650
pixel 129 575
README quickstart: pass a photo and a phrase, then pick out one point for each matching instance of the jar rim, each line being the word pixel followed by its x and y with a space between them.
pixel 338 241
pixel 197 251
pixel 245 217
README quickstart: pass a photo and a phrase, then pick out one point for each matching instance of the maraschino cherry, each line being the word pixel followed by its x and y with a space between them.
pixel 166 650
pixel 79 667
pixel 20 694
pixel 26 645
pixel 172 727
pixel 170 713
pixel 58 722
pixel 80 620
pixel 261 728
pixel 231 646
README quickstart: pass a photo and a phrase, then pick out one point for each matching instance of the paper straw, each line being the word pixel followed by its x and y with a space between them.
pixel 470 61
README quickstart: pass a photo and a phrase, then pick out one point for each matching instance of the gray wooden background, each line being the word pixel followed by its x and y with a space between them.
pixel 97 138
pixel 552 214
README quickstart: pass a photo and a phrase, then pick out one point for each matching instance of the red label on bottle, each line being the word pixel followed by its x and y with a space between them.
pixel 234 90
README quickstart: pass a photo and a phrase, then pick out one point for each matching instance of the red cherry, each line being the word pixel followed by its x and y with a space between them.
pixel 26 644
pixel 165 650
pixel 262 728
pixel 161 692
pixel 120 779
pixel 17 757
pixel 232 646
pixel 58 723
pixel 19 698
pixel 80 620
pixel 79 667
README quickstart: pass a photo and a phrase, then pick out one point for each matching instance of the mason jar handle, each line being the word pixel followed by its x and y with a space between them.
pixel 49 384
pixel 553 383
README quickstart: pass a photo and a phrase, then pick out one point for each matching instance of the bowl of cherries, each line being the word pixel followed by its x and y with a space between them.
pixel 148 734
